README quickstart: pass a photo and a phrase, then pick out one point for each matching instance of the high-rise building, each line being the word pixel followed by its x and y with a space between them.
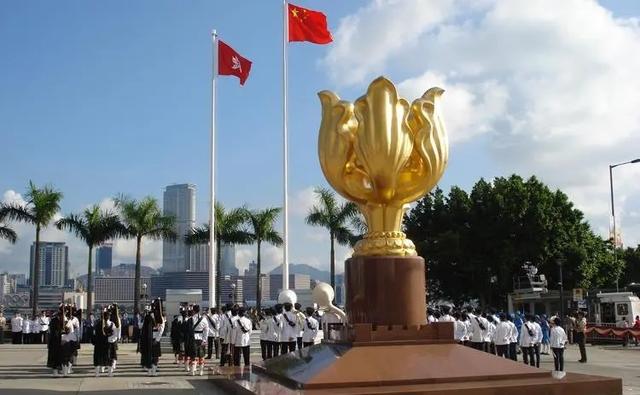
pixel 179 201
pixel 104 258
pixel 296 281
pixel 54 263
pixel 252 270
pixel 199 258
pixel 7 284
pixel 249 289
pixel 228 260
pixel 120 290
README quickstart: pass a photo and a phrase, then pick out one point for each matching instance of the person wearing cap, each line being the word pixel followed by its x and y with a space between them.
pixel 242 338
pixel 54 345
pixel 528 337
pixel 273 334
pixel 289 329
pixel 16 329
pixel 214 332
pixel 101 332
pixel 200 332
pixel 300 317
pixel 115 333
pixel 502 336
pixel 310 328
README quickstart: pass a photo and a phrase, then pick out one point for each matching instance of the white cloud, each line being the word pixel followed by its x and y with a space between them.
pixel 302 201
pixel 551 86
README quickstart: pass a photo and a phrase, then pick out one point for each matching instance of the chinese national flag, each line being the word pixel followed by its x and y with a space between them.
pixel 231 63
pixel 308 25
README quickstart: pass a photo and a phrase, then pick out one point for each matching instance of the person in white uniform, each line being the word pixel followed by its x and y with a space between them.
pixel 310 328
pixel 44 328
pixel 502 337
pixel 200 333
pixel 290 329
pixel 214 332
pixel 557 341
pixel 242 338
pixel 528 338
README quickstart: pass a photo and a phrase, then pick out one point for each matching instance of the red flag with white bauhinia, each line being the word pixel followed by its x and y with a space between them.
pixel 231 62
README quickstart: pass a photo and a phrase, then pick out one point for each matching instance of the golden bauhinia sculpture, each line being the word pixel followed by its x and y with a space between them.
pixel 383 153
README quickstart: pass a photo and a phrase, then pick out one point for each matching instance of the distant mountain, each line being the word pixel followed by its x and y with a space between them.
pixel 301 268
pixel 123 270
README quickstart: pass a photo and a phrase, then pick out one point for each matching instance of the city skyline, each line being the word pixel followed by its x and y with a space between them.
pixel 499 120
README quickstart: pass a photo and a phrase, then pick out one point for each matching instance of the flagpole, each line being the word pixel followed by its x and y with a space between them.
pixel 212 211
pixel 285 148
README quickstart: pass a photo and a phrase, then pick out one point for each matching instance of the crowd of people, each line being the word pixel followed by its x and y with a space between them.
pixel 226 333
pixel 509 335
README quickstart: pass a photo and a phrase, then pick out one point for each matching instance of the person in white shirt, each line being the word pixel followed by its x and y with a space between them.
pixel 200 333
pixel 273 334
pixel 557 341
pixel 115 328
pixel 310 329
pixel 226 325
pixel 214 332
pixel 489 340
pixel 242 341
pixel 502 336
pixel 44 328
pixel 300 323
pixel 479 326
pixel 26 330
pixel 67 341
pixel 16 329
pixel 289 329
pixel 35 331
pixel 459 328
pixel 528 338
pixel 278 316
pixel 537 344
pixel 446 317
pixel 263 325
pixel 513 339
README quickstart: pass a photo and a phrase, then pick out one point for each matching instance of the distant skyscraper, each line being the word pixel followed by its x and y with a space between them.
pixel 199 258
pixel 104 258
pixel 54 263
pixel 228 260
pixel 180 202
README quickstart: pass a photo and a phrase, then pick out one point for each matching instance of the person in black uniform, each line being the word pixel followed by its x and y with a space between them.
pixel 146 340
pixel 101 333
pixel 54 346
pixel 175 338
pixel 189 342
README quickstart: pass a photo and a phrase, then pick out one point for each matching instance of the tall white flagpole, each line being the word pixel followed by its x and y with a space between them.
pixel 212 210
pixel 285 162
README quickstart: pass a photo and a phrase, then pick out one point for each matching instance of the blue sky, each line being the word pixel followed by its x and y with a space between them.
pixel 99 98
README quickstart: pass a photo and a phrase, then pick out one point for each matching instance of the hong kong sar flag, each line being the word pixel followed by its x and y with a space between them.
pixel 231 63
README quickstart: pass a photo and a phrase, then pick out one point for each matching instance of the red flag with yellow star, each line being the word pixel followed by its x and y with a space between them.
pixel 308 25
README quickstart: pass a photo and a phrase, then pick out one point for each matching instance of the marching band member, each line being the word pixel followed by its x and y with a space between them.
pixel 54 346
pixel 502 337
pixel 300 317
pixel 101 332
pixel 67 340
pixel 43 320
pixel 290 329
pixel 273 334
pixel 115 331
pixel 242 342
pixel 158 330
pixel 214 332
pixel 263 325
pixel 310 330
pixel 200 332
pixel 175 337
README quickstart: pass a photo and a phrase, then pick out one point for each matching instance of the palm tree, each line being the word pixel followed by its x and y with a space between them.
pixel 261 223
pixel 143 219
pixel 6 232
pixel 94 227
pixel 42 204
pixel 333 217
pixel 229 229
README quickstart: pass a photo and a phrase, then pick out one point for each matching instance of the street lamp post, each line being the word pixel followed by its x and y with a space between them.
pixel 613 213
pixel 561 285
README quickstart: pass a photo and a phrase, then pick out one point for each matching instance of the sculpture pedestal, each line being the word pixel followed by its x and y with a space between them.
pixel 385 290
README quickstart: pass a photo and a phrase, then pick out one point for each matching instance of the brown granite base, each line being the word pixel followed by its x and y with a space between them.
pixel 385 290
pixel 415 369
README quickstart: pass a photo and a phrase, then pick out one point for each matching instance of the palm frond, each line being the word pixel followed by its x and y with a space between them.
pixel 199 235
pixel 75 224
pixel 8 234
pixel 44 202
pixel 17 213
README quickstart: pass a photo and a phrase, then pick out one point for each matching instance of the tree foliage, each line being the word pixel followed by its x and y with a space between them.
pixel 336 218
pixel 475 243
pixel 143 219
pixel 42 205
pixel 94 226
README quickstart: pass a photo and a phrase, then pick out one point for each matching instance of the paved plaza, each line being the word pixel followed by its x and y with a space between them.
pixel 23 372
